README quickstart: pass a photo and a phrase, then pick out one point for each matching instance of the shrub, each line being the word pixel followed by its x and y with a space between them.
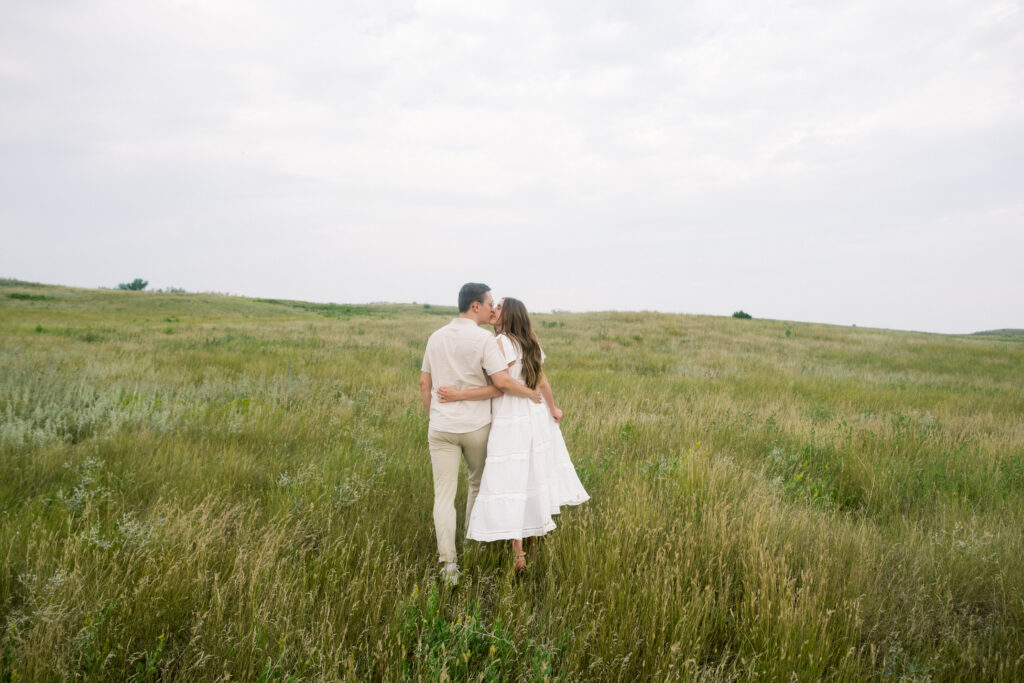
pixel 743 315
pixel 136 285
pixel 28 297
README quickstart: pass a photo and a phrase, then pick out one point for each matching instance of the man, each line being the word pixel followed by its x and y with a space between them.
pixel 462 355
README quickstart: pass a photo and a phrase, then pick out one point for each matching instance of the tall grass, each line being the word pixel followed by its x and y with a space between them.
pixel 201 487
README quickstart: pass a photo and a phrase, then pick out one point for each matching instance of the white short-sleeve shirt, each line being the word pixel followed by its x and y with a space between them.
pixel 461 354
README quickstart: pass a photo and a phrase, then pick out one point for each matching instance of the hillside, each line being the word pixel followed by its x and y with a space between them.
pixel 194 486
pixel 1002 333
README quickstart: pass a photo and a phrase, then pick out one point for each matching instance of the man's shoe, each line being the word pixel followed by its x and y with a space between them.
pixel 450 574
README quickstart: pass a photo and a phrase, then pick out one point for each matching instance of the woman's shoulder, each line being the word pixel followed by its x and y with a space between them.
pixel 509 344
pixel 505 339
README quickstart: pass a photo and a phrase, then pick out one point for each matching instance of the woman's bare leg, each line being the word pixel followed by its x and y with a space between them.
pixel 518 556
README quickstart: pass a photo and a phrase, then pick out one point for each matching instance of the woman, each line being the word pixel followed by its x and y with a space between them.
pixel 528 474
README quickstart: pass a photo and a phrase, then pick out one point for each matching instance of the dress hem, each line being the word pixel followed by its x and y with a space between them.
pixel 509 535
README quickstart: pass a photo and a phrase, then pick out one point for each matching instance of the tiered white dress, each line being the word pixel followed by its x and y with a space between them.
pixel 528 475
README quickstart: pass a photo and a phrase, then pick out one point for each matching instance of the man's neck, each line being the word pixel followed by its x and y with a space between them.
pixel 469 316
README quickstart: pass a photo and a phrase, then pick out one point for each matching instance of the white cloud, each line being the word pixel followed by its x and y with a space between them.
pixel 595 155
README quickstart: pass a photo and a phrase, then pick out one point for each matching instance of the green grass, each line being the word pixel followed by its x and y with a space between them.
pixel 197 487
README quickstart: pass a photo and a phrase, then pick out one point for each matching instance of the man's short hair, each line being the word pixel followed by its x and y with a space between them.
pixel 470 292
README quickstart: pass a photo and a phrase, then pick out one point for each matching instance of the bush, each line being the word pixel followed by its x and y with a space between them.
pixel 741 314
pixel 136 285
pixel 28 297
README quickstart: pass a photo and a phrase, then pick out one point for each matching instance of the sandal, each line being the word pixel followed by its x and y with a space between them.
pixel 519 559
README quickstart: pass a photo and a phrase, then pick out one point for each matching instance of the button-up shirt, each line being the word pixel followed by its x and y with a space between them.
pixel 461 354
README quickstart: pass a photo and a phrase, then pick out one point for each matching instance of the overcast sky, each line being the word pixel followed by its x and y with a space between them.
pixel 841 162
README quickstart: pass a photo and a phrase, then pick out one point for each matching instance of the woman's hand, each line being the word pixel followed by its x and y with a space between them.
pixel 448 395
pixel 556 414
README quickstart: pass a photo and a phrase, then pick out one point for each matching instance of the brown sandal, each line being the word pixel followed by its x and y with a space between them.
pixel 519 558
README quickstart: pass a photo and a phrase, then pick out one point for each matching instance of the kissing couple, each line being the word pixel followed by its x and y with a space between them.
pixel 491 405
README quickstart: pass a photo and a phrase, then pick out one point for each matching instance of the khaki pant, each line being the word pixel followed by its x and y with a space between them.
pixel 446 450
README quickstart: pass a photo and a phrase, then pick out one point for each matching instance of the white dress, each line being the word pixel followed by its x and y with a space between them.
pixel 528 474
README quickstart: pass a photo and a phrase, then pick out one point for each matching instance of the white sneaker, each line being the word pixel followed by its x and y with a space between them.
pixel 450 574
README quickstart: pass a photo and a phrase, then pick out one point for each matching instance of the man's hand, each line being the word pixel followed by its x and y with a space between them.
pixel 536 396
pixel 448 395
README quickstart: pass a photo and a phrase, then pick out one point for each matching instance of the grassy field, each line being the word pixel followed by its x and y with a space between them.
pixel 203 487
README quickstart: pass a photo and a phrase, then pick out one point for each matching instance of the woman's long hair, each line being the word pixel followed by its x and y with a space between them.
pixel 516 325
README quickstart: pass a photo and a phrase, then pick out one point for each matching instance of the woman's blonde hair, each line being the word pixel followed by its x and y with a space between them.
pixel 516 325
